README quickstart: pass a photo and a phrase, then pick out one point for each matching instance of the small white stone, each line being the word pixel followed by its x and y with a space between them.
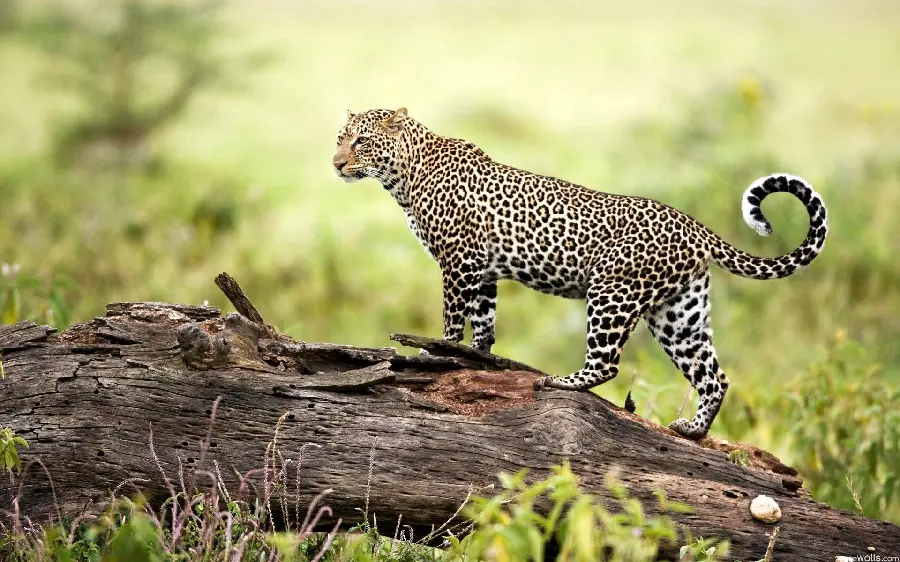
pixel 871 549
pixel 764 508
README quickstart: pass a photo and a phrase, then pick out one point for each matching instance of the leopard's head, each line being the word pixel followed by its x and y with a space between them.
pixel 371 145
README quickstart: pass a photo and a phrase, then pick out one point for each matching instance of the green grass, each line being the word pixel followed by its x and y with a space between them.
pixel 213 524
pixel 687 104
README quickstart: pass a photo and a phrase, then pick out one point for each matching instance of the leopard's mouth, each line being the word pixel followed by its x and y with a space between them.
pixel 350 173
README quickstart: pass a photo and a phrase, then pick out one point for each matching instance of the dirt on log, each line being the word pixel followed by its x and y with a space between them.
pixel 432 428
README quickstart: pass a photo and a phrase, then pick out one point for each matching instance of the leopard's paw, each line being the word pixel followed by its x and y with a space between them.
pixel 685 428
pixel 543 383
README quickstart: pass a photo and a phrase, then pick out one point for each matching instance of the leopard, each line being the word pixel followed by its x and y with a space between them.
pixel 627 257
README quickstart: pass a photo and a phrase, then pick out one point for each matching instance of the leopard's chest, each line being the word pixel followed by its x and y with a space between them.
pixel 413 225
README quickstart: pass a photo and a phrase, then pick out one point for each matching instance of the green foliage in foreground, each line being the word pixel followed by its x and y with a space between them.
pixel 9 454
pixel 507 527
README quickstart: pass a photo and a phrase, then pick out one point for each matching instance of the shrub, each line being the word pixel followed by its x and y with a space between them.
pixel 509 527
pixel 843 416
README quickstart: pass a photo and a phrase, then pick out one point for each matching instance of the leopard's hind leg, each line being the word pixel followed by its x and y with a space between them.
pixel 681 326
pixel 613 310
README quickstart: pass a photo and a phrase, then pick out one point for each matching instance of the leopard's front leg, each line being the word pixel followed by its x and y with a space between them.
pixel 463 264
pixel 459 289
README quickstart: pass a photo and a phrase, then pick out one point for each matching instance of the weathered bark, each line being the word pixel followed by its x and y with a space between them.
pixel 440 426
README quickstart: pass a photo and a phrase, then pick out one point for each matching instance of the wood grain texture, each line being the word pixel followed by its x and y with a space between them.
pixel 229 286
pixel 441 425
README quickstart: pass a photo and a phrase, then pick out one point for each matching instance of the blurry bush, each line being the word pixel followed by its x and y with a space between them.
pixel 9 15
pixel 844 420
pixel 132 66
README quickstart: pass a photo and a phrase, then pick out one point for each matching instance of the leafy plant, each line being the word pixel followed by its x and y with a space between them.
pixel 739 457
pixel 508 526
pixel 700 550
pixel 845 424
pixel 9 455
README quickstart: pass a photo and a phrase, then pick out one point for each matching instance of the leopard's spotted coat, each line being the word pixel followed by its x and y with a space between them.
pixel 629 257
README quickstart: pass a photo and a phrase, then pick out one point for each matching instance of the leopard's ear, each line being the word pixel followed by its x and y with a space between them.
pixel 350 115
pixel 394 124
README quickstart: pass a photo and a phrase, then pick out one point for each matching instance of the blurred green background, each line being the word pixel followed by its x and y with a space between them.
pixel 146 145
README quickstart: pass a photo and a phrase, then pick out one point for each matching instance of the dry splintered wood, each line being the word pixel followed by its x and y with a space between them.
pixel 229 286
pixel 451 349
pixel 438 427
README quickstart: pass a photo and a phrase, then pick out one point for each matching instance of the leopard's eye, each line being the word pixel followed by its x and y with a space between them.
pixel 361 141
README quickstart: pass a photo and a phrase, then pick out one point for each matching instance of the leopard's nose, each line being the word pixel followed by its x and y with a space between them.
pixel 338 164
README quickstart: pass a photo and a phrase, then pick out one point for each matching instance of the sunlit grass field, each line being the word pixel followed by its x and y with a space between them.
pixel 684 102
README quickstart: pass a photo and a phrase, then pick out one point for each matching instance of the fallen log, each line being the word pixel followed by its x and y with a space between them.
pixel 407 435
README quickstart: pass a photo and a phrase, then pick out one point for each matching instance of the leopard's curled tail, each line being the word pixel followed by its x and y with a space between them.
pixel 747 265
